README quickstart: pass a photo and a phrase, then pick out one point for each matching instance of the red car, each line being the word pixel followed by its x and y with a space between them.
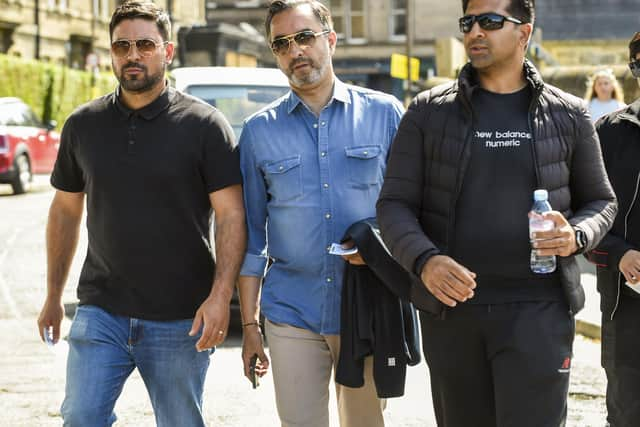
pixel 27 146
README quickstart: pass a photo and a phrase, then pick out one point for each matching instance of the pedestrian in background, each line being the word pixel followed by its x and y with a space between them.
pixel 152 164
pixel 617 258
pixel 454 207
pixel 312 164
pixel 604 94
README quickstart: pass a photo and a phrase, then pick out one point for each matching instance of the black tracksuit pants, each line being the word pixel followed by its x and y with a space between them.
pixel 621 362
pixel 500 365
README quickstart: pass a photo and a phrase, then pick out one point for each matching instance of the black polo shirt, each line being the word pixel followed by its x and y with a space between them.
pixel 147 175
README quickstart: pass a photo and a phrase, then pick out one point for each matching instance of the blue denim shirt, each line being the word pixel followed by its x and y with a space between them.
pixel 306 180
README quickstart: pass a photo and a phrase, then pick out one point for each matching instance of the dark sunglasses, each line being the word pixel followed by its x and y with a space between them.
pixel 303 39
pixel 487 21
pixel 145 47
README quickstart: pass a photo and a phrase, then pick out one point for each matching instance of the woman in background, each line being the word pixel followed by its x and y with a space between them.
pixel 604 94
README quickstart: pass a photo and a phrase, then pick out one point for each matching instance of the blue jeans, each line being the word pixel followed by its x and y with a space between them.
pixel 103 351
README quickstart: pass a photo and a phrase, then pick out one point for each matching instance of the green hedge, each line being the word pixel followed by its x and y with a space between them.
pixel 51 90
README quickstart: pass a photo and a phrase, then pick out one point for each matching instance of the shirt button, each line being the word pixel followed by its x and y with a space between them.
pixel 315 126
pixel 131 142
pixel 323 154
pixel 281 168
pixel 365 152
pixel 327 216
pixel 328 279
pixel 325 185
pixel 323 123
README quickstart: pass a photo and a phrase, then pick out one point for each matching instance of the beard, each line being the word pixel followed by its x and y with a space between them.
pixel 140 83
pixel 310 77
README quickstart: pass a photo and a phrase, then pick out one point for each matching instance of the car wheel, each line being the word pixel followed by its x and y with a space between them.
pixel 22 181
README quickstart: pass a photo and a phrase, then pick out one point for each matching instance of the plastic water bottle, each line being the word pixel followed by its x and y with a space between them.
pixel 547 263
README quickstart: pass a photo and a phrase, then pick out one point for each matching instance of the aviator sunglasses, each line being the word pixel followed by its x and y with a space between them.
pixel 146 47
pixel 487 21
pixel 303 39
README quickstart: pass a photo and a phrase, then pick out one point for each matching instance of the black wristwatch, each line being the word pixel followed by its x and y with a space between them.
pixel 581 239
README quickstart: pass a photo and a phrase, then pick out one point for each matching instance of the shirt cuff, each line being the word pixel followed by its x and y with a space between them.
pixel 253 265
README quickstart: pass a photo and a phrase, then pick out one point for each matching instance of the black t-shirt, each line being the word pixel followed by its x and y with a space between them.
pixel 492 229
pixel 147 175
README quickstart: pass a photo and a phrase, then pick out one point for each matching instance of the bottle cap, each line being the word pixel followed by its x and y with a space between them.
pixel 540 195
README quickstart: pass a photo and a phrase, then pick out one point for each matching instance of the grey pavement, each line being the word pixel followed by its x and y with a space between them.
pixel 588 320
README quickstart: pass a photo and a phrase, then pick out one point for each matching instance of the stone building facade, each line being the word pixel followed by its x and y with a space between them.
pixel 73 32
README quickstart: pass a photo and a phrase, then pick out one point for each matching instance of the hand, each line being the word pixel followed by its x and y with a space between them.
pixel 447 280
pixel 252 343
pixel 354 259
pixel 51 316
pixel 561 240
pixel 214 315
pixel 630 266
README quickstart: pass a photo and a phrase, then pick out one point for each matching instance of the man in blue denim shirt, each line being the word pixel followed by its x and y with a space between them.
pixel 313 164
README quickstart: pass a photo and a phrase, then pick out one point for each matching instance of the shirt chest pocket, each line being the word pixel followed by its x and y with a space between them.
pixel 364 164
pixel 284 178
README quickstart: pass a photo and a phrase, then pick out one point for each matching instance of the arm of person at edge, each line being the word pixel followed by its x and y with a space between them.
pixel 252 342
pixel 63 230
pixel 629 266
pixel 230 240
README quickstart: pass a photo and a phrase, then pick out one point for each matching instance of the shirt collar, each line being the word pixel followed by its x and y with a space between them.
pixel 150 111
pixel 340 93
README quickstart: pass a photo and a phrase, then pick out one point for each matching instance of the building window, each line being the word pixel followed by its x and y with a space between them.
pixel 349 19
pixel 59 5
pixel 6 36
pixel 398 24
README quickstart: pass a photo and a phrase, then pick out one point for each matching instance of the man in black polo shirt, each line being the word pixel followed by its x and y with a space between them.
pixel 153 164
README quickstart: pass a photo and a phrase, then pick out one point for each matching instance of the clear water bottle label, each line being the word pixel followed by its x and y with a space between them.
pixel 538 223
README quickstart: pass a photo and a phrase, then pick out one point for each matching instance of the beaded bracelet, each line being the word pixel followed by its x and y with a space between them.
pixel 250 323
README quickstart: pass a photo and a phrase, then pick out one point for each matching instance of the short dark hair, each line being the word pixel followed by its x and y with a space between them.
pixel 319 10
pixel 142 10
pixel 524 10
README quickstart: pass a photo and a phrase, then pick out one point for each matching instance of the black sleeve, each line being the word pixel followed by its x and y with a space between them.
pixel 613 246
pixel 398 207
pixel 220 165
pixel 593 200
pixel 67 174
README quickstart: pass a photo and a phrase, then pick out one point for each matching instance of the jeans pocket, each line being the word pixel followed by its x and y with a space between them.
pixel 284 178
pixel 364 164
pixel 80 323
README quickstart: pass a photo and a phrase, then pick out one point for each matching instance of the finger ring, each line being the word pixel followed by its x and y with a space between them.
pixel 220 332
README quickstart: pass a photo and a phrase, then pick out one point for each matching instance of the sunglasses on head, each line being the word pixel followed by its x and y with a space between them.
pixel 487 21
pixel 145 47
pixel 302 39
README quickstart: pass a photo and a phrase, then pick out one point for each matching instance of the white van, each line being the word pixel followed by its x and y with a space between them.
pixel 236 91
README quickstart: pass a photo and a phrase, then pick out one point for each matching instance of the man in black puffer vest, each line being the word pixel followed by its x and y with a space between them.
pixel 453 209
pixel 618 260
